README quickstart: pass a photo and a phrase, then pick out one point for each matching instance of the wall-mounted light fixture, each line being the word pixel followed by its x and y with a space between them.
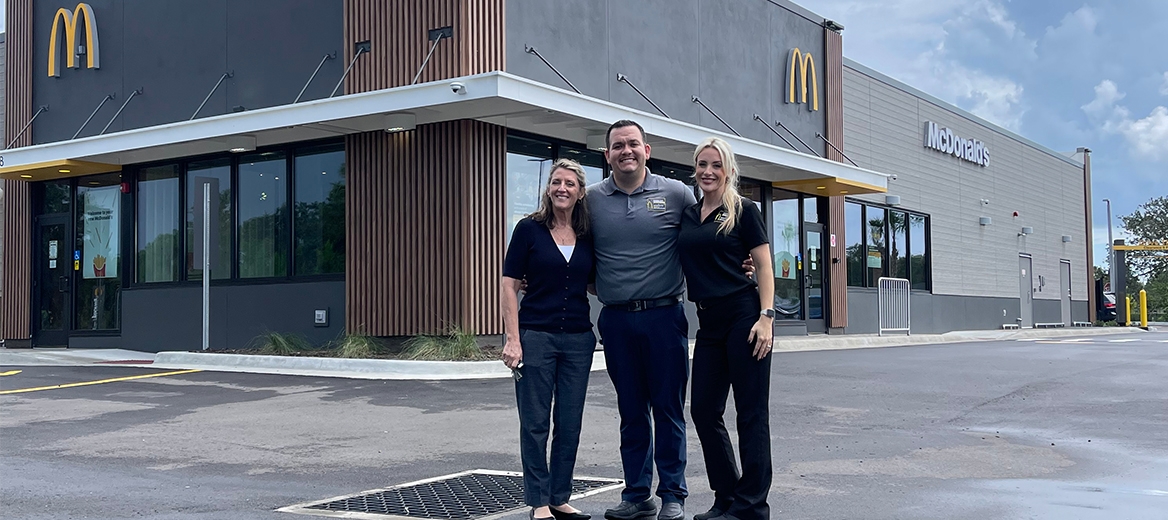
pixel 595 142
pixel 1026 230
pixel 240 143
pixel 400 122
pixel 1066 238
pixel 985 221
pixel 892 200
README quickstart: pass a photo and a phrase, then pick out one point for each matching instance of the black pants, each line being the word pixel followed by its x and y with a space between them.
pixel 555 367
pixel 647 354
pixel 722 360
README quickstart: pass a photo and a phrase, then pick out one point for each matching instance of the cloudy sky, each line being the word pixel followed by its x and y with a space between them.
pixel 1063 73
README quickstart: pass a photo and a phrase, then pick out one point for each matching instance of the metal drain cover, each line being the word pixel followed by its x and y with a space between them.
pixel 477 494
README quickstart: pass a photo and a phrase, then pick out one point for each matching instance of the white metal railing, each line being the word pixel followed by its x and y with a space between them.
pixel 893 297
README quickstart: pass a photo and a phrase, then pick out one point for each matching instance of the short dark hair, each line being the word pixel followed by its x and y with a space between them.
pixel 621 124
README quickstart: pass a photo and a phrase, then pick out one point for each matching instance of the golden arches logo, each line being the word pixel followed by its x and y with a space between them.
pixel 72 22
pixel 806 63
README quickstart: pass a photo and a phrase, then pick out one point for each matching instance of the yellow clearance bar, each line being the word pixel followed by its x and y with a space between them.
pixel 1137 247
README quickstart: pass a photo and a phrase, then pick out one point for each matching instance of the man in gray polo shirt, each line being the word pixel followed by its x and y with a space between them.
pixel 636 216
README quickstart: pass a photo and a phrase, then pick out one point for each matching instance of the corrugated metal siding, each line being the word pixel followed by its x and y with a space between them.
pixel 16 298
pixel 884 131
pixel 837 273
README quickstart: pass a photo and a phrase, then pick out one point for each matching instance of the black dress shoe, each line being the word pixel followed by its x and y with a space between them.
pixel 561 515
pixel 714 512
pixel 631 511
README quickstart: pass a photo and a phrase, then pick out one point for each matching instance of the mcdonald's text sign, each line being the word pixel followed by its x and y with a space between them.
pixel 71 21
pixel 945 141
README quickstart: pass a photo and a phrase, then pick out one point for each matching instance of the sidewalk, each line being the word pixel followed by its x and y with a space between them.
pixel 447 370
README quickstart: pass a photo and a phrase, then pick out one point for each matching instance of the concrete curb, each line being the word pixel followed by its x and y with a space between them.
pixel 842 342
pixel 388 369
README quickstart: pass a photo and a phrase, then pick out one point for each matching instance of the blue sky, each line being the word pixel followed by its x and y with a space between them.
pixel 1065 74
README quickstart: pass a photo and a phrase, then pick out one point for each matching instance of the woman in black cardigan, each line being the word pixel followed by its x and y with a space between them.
pixel 549 341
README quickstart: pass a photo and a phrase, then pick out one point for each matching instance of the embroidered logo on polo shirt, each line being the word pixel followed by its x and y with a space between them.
pixel 722 216
pixel 655 204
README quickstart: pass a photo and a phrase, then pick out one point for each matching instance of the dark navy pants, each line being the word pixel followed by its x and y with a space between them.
pixel 555 368
pixel 723 361
pixel 647 354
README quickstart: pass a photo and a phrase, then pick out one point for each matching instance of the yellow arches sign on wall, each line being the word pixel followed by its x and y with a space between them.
pixel 805 63
pixel 72 23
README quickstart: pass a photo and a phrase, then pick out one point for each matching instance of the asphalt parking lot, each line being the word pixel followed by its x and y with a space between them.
pixel 1060 428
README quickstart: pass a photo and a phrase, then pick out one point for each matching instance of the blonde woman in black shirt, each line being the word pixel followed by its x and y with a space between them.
pixel 549 342
pixel 734 338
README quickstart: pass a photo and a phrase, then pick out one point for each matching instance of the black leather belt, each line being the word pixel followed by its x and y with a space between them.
pixel 641 305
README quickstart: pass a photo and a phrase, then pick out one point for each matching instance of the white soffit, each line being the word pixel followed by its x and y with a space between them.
pixel 495 97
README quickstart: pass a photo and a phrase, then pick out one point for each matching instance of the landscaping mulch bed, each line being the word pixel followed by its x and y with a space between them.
pixel 489 353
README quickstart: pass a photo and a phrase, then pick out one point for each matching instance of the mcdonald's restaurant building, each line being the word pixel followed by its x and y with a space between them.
pixel 365 161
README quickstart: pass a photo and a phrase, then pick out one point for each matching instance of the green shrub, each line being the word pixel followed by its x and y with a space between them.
pixel 456 345
pixel 358 346
pixel 279 344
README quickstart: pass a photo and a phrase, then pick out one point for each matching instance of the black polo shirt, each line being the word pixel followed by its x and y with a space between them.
pixel 712 262
pixel 557 297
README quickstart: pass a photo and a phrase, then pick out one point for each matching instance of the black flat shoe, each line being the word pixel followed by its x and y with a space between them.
pixel 561 515
pixel 531 515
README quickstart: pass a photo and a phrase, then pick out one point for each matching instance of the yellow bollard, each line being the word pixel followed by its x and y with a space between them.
pixel 1143 308
pixel 1128 321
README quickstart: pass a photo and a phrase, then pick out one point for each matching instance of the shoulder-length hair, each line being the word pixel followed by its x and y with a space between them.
pixel 730 197
pixel 580 217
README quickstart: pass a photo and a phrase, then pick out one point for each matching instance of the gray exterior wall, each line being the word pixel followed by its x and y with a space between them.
pixel 941 313
pixel 732 55
pixel 169 318
pixel 176 50
pixel 884 130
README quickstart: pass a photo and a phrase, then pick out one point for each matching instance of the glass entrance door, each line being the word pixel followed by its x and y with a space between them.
pixel 813 269
pixel 53 282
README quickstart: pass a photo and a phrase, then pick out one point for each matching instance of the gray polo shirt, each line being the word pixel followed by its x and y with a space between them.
pixel 635 237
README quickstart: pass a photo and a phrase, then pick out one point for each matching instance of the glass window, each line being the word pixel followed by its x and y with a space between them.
pixel 527 164
pixel 877 245
pixel 158 189
pixel 898 247
pixel 56 198
pixel 919 255
pixel 98 239
pixel 788 279
pixel 854 242
pixel 673 171
pixel 219 170
pixel 593 162
pixel 811 209
pixel 320 211
pixel 263 215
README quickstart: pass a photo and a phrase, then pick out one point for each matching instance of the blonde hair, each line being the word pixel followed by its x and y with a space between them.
pixel 580 217
pixel 730 197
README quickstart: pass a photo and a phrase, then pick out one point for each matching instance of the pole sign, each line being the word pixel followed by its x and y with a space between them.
pixel 945 141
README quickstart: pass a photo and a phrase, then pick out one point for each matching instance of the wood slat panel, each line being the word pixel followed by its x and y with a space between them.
pixel 16 299
pixel 837 274
pixel 424 220
pixel 424 209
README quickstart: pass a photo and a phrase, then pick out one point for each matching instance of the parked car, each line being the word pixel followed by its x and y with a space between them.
pixel 1108 313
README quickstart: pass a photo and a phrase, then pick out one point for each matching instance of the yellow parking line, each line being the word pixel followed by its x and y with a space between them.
pixel 10 372
pixel 98 382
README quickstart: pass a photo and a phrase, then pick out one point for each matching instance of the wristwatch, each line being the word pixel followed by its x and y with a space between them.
pixel 770 313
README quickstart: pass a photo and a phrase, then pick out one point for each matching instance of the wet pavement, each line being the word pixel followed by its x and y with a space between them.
pixel 1058 428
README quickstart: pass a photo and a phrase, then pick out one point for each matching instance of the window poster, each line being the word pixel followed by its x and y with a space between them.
pixel 100 239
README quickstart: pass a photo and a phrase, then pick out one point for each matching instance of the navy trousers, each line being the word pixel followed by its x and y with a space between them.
pixel 647 355
pixel 723 361
pixel 555 369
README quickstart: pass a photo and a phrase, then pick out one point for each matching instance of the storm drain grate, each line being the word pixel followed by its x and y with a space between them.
pixel 463 496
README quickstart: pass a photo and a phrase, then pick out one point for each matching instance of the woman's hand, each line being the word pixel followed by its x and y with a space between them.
pixel 762 335
pixel 512 353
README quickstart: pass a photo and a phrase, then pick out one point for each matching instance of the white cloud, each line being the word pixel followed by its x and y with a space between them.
pixel 994 98
pixel 1146 136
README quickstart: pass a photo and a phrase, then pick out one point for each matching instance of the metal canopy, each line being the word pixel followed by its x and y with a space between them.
pixel 496 97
